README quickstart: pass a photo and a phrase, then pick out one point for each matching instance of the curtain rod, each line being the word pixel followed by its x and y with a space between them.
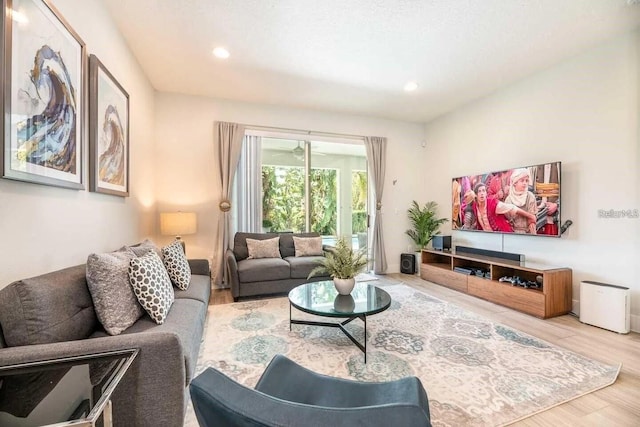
pixel 303 132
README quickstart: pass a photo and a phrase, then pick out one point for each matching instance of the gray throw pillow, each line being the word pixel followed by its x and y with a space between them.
pixel 145 246
pixel 177 265
pixel 115 304
pixel 152 286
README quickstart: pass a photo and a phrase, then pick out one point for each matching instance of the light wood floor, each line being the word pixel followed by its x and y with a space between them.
pixel 616 405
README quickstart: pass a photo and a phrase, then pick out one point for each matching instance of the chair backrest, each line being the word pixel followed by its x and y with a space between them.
pixel 219 401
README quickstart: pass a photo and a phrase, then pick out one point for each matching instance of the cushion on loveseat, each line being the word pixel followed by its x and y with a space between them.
pixel 256 270
pixel 49 308
pixel 302 266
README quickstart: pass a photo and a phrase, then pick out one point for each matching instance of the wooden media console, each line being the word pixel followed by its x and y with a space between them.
pixel 554 299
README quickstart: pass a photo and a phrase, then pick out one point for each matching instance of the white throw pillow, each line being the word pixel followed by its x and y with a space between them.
pixel 152 286
pixel 308 246
pixel 269 248
pixel 177 265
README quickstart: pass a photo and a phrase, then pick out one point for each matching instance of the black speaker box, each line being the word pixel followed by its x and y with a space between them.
pixel 441 243
pixel 408 263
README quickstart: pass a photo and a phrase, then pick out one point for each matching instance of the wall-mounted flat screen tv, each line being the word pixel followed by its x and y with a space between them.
pixel 523 200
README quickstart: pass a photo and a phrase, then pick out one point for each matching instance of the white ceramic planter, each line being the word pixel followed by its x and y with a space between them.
pixel 344 304
pixel 344 286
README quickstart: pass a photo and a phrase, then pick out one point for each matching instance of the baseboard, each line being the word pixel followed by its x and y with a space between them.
pixel 393 268
pixel 635 323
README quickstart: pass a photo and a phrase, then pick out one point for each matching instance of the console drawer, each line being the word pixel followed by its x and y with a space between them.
pixel 530 301
pixel 444 277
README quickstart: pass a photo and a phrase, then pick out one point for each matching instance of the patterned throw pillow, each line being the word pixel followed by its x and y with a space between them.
pixel 269 248
pixel 308 246
pixel 152 286
pixel 177 265
pixel 115 303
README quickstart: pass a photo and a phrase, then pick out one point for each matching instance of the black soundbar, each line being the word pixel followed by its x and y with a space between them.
pixel 486 252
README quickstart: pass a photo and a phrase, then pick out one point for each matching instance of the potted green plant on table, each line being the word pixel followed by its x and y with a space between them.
pixel 343 265
pixel 424 225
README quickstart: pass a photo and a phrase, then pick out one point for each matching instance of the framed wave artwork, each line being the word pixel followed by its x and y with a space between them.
pixel 108 132
pixel 43 66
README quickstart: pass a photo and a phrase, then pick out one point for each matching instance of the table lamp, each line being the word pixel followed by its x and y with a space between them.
pixel 178 224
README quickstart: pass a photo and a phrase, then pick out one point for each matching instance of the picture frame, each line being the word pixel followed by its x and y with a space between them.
pixel 108 132
pixel 44 92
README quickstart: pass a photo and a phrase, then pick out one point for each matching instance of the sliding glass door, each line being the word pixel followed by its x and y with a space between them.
pixel 310 185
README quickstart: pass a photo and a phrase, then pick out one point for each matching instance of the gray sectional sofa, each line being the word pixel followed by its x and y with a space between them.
pixel 264 276
pixel 52 316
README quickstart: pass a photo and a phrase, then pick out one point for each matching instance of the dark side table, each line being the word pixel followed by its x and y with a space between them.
pixel 68 391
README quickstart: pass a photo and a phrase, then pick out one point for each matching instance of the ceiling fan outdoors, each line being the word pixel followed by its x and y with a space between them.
pixel 298 152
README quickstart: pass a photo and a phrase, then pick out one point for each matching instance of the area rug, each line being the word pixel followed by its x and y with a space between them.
pixel 365 277
pixel 476 372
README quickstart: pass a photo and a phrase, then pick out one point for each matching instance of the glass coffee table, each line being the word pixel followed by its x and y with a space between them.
pixel 322 299
pixel 73 391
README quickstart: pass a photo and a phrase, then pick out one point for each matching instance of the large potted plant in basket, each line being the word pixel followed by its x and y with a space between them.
pixel 424 225
pixel 343 265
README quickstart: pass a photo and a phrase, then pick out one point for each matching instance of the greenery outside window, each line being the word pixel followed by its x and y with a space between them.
pixel 283 199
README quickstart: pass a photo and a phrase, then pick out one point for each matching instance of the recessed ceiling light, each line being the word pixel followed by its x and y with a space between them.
pixel 221 53
pixel 410 87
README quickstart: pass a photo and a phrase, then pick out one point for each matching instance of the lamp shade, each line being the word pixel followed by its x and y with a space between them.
pixel 178 223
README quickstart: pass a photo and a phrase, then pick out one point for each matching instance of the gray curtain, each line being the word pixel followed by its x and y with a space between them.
pixel 248 187
pixel 376 161
pixel 228 141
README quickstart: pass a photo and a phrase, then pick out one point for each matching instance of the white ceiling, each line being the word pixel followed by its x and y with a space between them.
pixel 356 55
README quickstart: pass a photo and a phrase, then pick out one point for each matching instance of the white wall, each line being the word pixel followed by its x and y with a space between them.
pixel 583 112
pixel 46 228
pixel 188 177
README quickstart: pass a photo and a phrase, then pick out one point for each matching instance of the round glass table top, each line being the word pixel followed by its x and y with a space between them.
pixel 321 298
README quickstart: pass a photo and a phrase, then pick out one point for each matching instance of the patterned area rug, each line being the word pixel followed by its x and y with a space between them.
pixel 364 277
pixel 476 372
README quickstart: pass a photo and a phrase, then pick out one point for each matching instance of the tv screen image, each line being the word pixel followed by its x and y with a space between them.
pixel 523 200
